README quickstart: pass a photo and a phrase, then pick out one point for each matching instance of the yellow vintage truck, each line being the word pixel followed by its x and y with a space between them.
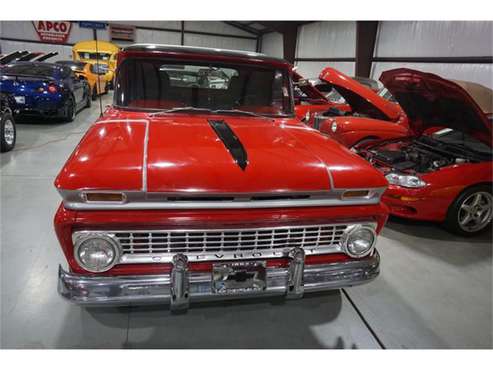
pixel 104 60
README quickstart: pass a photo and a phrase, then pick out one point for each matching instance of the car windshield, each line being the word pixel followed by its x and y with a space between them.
pixel 93 56
pixel 42 70
pixel 161 85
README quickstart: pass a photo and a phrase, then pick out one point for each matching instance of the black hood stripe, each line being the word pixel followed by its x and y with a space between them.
pixel 230 141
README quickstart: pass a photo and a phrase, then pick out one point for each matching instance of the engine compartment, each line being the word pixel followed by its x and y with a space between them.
pixel 423 154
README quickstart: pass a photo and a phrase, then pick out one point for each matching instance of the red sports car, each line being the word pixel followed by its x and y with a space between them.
pixel 186 192
pixel 369 117
pixel 444 171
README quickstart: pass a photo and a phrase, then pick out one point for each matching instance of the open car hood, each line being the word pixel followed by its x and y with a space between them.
pixel 362 99
pixel 432 101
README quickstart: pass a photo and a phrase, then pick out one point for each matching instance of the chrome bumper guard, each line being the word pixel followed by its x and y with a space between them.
pixel 183 286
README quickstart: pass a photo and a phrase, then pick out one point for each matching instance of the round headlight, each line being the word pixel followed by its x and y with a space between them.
pixel 333 127
pixel 359 241
pixel 96 253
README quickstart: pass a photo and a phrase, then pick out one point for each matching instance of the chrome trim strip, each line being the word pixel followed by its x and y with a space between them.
pixel 148 289
pixel 135 200
pixel 144 159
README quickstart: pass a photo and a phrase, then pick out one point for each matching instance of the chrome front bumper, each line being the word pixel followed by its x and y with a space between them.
pixel 182 286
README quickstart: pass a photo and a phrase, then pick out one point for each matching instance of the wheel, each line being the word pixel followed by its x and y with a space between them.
pixel 471 212
pixel 8 133
pixel 70 110
pixel 88 99
pixel 94 93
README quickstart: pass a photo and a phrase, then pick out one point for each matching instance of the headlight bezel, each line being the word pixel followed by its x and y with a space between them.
pixel 351 230
pixel 403 180
pixel 79 238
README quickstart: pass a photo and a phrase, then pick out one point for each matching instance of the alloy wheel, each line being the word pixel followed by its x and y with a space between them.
pixel 9 132
pixel 475 211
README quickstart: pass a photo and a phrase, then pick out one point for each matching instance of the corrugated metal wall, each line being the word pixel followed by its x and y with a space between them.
pixel 437 39
pixel 24 30
pixel 272 44
pixel 326 40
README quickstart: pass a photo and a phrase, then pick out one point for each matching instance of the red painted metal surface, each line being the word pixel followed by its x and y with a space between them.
pixel 183 154
pixel 67 221
pixel 351 130
pixel 446 184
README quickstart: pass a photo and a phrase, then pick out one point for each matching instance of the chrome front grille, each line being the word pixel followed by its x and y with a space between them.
pixel 207 244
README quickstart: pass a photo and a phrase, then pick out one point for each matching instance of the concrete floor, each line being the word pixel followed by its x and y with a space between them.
pixel 435 289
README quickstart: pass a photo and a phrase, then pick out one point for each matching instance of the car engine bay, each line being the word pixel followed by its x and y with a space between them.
pixel 426 153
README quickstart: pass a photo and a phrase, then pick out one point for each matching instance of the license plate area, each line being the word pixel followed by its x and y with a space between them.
pixel 238 277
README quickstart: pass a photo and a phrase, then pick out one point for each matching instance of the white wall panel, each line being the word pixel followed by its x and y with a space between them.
pixel 479 73
pixel 156 24
pixel 327 39
pixel 158 37
pixel 216 27
pixel 272 44
pixel 313 69
pixel 434 39
pixel 220 42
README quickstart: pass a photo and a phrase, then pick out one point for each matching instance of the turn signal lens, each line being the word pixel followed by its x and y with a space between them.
pixel 355 194
pixel 104 197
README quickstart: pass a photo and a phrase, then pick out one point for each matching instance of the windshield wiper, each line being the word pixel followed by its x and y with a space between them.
pixel 181 110
pixel 239 112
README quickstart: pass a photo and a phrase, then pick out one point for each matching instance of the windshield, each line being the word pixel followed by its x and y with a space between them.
pixel 157 85
pixel 384 93
pixel 93 56
pixel 41 70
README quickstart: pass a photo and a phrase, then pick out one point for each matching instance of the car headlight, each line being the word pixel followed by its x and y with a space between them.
pixel 407 181
pixel 96 252
pixel 359 240
pixel 333 127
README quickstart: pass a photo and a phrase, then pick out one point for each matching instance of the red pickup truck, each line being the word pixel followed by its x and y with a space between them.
pixel 187 189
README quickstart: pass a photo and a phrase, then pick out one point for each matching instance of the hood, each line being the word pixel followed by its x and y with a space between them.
pixel 362 99
pixel 432 101
pixel 191 154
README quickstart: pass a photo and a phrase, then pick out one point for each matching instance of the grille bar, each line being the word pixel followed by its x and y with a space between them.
pixel 161 242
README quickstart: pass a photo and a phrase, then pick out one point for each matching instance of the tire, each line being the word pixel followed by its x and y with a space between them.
pixel 8 133
pixel 70 110
pixel 94 94
pixel 471 212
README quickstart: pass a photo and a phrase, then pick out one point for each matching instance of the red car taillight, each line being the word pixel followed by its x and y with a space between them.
pixel 52 89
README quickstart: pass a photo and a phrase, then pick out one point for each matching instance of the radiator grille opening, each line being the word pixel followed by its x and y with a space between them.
pixel 229 240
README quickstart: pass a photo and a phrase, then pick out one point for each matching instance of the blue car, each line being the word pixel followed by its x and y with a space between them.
pixel 45 89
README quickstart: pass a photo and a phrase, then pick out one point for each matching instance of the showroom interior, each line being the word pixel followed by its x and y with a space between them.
pixel 434 289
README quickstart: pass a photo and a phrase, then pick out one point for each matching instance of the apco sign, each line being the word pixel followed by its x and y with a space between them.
pixel 52 31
